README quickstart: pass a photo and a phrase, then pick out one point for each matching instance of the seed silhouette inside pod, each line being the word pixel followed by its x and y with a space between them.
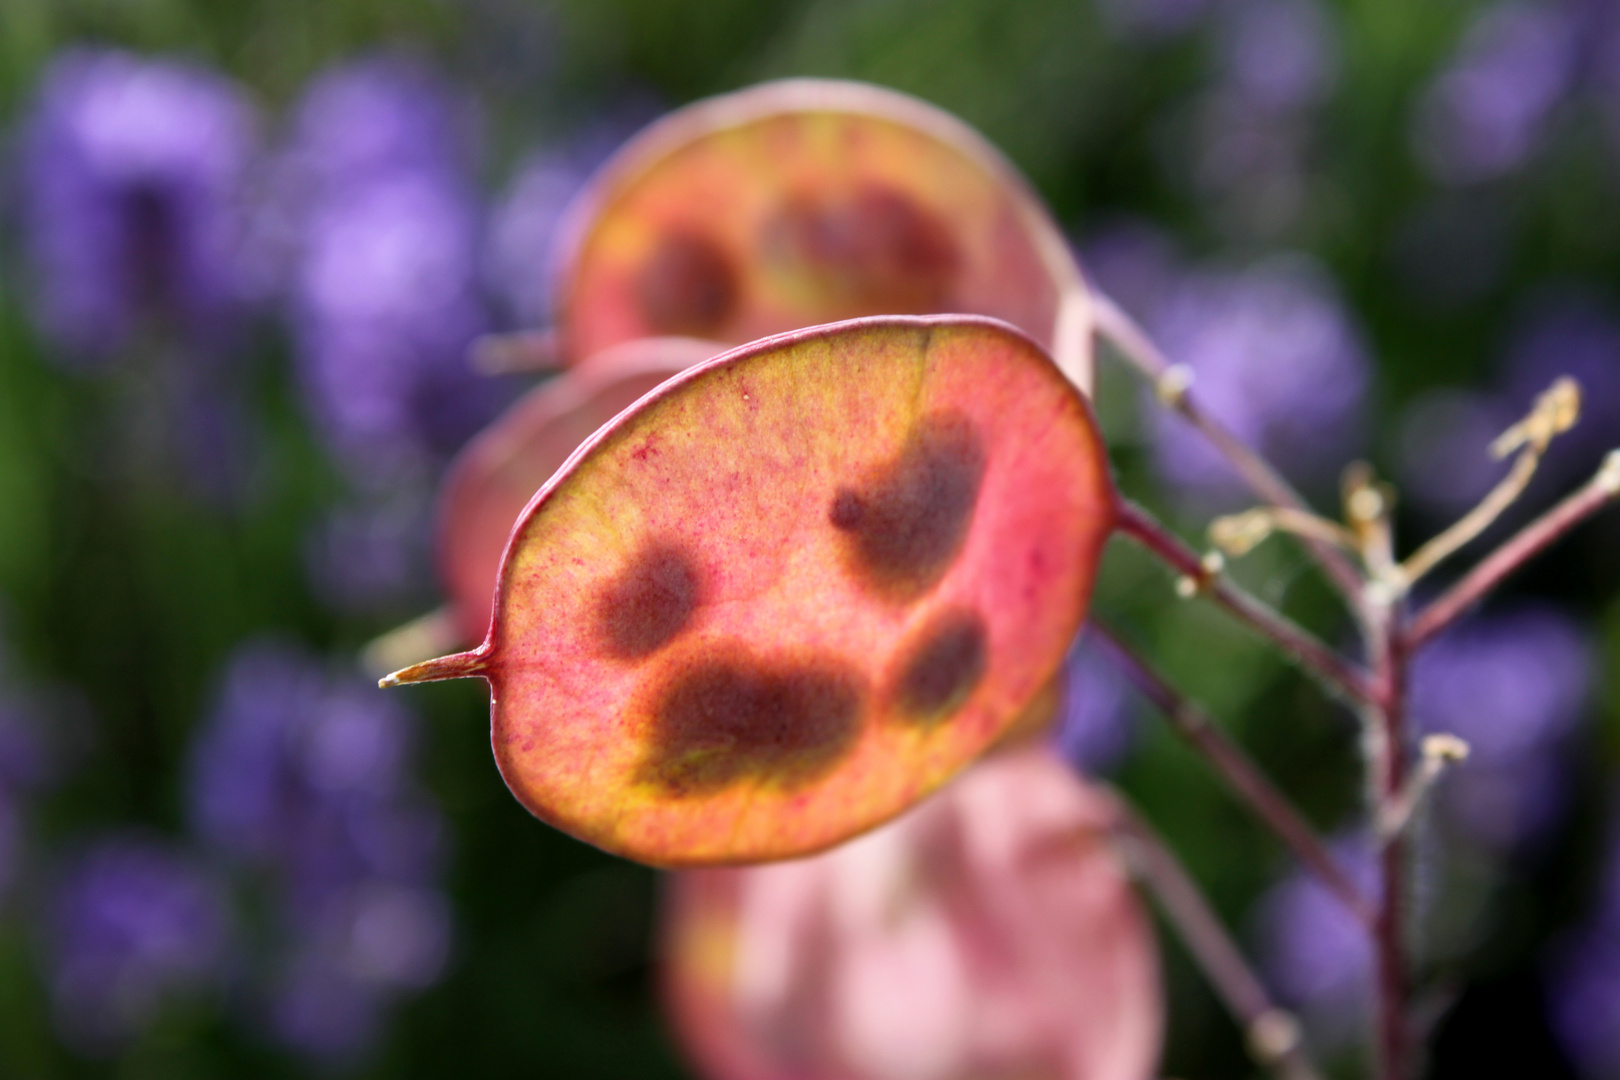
pixel 806 201
pixel 987 934
pixel 494 478
pixel 700 653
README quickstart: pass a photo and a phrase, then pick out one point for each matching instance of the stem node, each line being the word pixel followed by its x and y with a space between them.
pixel 1273 1036
pixel 1172 386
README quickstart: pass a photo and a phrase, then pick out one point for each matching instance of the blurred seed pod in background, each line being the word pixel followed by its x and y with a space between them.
pixel 990 933
pixel 808 201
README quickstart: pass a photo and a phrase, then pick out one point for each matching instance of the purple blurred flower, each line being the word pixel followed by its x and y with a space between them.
pixel 1453 248
pixel 1094 731
pixel 24 760
pixel 1586 1004
pixel 1276 356
pixel 523 226
pixel 1251 130
pixel 1249 166
pixel 385 280
pixel 1444 439
pixel 317 1010
pixel 132 179
pixel 1150 19
pixel 133 923
pixel 329 1001
pixel 375 118
pixel 1444 449
pixel 1487 112
pixel 133 182
pixel 1135 262
pixel 1512 685
pixel 10 840
pixel 25 766
pixel 307 781
pixel 1569 333
pixel 372 554
pixel 1585 980
pixel 523 229
pixel 1315 954
pixel 300 771
pixel 1278 55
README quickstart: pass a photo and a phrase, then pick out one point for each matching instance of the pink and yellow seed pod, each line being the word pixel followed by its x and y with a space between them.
pixel 793 590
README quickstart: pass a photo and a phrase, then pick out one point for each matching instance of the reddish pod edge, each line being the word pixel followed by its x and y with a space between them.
pixel 498 472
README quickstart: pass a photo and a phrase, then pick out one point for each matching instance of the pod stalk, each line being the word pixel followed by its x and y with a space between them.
pixel 464 665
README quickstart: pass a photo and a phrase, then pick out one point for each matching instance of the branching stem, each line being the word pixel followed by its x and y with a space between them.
pixel 1476 521
pixel 1386 723
pixel 1378 600
pixel 1343 678
pixel 1272 1034
pixel 1438 753
pixel 1173 387
pixel 1532 540
pixel 1239 534
pixel 1239 771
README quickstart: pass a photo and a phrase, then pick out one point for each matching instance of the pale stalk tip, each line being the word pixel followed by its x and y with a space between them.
pixel 1609 474
pixel 1444 748
pixel 1239 534
pixel 1367 504
pixel 429 635
pixel 1172 386
pixel 464 665
pixel 1273 1035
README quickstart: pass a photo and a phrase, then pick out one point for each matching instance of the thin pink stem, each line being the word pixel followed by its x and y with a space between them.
pixel 1239 771
pixel 1342 677
pixel 1272 1034
pixel 1387 717
pixel 1138 348
pixel 1525 545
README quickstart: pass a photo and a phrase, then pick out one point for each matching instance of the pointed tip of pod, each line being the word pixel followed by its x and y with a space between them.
pixel 465 665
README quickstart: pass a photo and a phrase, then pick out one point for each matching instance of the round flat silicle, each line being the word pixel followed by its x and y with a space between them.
pixel 990 933
pixel 807 201
pixel 794 589
pixel 498 472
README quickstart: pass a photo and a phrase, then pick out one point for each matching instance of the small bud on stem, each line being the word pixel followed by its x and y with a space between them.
pixel 1438 752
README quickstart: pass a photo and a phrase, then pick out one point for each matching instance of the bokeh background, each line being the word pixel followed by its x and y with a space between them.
pixel 246 245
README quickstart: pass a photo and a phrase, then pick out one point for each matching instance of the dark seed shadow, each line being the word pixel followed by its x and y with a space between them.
pixel 906 525
pixel 943 667
pixel 876 250
pixel 737 717
pixel 687 286
pixel 649 603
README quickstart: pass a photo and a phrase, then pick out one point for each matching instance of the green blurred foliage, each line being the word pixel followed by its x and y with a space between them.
pixel 126 595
